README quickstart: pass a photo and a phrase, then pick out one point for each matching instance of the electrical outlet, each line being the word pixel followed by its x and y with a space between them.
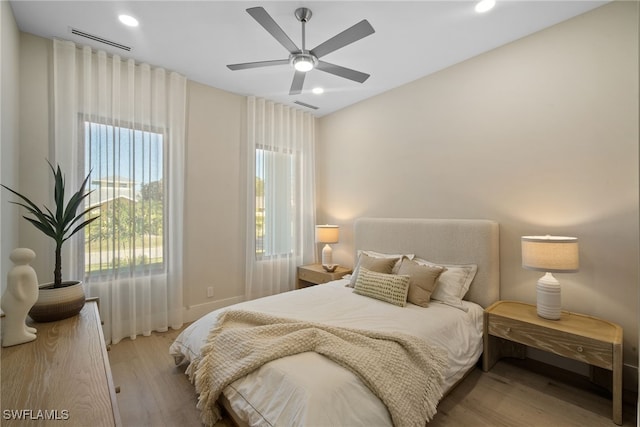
pixel 210 292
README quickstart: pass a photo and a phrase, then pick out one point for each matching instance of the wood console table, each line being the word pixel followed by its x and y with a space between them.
pixel 63 375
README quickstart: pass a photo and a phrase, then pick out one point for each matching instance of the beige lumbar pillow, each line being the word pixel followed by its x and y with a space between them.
pixel 422 280
pixel 391 288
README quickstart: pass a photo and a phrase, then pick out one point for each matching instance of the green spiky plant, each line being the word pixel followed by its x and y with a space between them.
pixel 58 225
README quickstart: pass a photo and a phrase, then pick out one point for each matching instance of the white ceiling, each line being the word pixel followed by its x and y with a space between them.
pixel 199 38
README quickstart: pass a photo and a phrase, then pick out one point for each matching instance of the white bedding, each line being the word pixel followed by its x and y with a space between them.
pixel 309 389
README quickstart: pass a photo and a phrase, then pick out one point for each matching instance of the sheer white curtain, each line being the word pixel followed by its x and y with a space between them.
pixel 125 123
pixel 280 196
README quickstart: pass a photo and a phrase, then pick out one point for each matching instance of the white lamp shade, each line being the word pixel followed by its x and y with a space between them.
pixel 553 254
pixel 327 233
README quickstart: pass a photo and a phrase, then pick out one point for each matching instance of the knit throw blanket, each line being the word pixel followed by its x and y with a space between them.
pixel 404 372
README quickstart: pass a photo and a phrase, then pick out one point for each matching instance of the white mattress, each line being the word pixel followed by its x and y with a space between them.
pixel 309 389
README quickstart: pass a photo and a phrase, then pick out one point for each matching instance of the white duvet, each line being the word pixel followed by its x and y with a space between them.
pixel 311 390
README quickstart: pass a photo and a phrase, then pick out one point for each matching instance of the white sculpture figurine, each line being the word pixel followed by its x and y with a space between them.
pixel 21 294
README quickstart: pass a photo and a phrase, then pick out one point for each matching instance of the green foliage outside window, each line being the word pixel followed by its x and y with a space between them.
pixel 129 233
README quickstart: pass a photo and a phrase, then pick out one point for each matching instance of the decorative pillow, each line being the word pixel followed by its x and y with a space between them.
pixel 453 284
pixel 391 288
pixel 396 257
pixel 422 280
pixel 372 263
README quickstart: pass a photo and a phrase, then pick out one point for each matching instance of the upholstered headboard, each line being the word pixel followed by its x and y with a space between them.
pixel 446 241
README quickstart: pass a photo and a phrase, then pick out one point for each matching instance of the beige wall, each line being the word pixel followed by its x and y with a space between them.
pixel 35 111
pixel 214 247
pixel 9 133
pixel 540 135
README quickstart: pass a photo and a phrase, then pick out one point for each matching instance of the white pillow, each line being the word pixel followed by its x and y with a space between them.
pixel 453 283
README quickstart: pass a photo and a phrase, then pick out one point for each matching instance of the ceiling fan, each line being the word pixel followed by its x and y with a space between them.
pixel 304 60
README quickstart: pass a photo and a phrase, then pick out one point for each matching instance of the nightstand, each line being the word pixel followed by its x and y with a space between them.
pixel 580 337
pixel 314 274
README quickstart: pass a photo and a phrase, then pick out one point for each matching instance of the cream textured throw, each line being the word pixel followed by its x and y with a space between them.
pixel 402 370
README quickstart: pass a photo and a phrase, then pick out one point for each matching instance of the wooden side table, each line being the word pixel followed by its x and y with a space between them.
pixel 314 274
pixel 580 337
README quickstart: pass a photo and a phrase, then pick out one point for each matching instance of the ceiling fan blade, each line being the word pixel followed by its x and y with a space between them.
pixel 298 82
pixel 258 64
pixel 339 71
pixel 352 34
pixel 264 19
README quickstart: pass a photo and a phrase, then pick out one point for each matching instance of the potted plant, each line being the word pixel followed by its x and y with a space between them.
pixel 60 299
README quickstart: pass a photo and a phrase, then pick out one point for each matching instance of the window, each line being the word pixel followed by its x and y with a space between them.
pixel 126 166
pixel 275 202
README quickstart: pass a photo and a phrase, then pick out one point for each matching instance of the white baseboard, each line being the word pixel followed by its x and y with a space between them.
pixel 195 312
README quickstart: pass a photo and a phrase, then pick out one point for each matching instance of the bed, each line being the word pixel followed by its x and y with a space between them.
pixel 318 388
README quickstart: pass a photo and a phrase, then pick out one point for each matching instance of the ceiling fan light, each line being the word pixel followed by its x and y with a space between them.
pixel 303 64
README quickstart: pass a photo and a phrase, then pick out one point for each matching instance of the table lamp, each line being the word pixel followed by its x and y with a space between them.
pixel 550 254
pixel 327 234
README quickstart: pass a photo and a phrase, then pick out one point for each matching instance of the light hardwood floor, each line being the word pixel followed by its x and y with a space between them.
pixel 156 393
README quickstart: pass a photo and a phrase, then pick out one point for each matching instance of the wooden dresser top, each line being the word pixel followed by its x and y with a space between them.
pixel 63 374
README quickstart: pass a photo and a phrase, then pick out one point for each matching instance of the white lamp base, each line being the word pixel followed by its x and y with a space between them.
pixel 548 297
pixel 327 255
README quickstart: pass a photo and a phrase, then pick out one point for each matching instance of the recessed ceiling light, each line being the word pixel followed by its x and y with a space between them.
pixel 485 5
pixel 317 90
pixel 128 20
